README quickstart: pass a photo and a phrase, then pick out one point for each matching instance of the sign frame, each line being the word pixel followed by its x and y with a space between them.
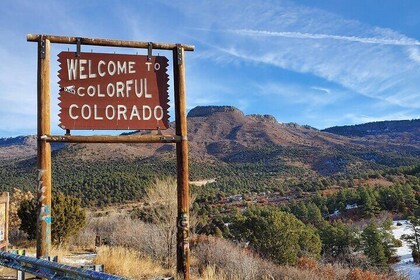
pixel 44 137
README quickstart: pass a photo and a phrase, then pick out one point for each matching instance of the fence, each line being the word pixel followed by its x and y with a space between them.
pixel 51 270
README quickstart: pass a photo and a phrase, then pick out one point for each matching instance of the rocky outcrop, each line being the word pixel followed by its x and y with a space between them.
pixel 263 118
pixel 205 111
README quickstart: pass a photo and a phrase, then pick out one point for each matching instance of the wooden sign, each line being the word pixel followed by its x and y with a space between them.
pixel 4 219
pixel 113 91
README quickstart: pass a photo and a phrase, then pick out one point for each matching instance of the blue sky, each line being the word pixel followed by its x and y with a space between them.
pixel 321 63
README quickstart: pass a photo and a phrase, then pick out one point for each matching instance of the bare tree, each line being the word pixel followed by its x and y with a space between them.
pixel 161 206
pixel 161 198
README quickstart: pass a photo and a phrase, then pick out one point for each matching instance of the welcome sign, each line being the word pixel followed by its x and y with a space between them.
pixel 113 91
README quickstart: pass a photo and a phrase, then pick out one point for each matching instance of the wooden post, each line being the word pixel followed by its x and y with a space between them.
pixel 43 246
pixel 4 218
pixel 183 250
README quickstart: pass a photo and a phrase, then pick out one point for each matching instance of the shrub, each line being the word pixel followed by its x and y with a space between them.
pixel 277 235
pixel 358 274
pixel 68 217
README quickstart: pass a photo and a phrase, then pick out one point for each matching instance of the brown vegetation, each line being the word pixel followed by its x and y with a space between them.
pixel 212 258
pixel 128 263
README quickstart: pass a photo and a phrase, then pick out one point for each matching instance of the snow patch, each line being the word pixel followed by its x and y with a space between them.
pixel 405 266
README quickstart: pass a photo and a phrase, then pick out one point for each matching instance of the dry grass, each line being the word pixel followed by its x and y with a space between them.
pixel 128 263
pixel 218 259
pixel 137 252
pixel 211 273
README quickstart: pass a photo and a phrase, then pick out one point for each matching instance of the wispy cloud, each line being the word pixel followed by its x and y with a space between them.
pixel 325 90
pixel 372 61
pixel 361 118
pixel 414 54
pixel 299 94
pixel 300 35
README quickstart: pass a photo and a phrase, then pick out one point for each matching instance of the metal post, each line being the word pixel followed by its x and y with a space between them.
pixel 43 247
pixel 183 250
pixel 20 275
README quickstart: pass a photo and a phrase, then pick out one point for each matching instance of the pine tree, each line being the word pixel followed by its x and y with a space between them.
pixel 27 214
pixel 373 246
pixel 368 202
pixel 314 214
pixel 277 235
pixel 414 238
pixel 68 217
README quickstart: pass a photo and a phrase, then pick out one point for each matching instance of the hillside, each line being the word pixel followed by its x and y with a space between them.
pixel 21 147
pixel 405 132
pixel 242 152
pixel 224 133
pixel 17 147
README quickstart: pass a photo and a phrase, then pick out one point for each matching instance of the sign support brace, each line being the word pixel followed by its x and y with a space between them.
pixel 43 246
pixel 183 249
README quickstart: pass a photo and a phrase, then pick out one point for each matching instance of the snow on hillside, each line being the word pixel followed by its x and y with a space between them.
pixel 406 265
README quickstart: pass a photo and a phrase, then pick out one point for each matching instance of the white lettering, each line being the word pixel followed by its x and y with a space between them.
pixel 108 116
pixel 148 66
pixel 112 68
pixel 82 68
pixel 91 91
pixel 120 89
pixel 101 73
pixel 128 84
pixel 138 93
pixel 95 110
pixel 157 66
pixel 73 117
pixel 146 95
pixel 72 69
pixel 110 90
pixel 91 75
pixel 86 115
pixel 79 91
pixel 122 111
pixel 99 92
pixel 122 67
pixel 155 113
pixel 144 113
pixel 131 69
pixel 135 112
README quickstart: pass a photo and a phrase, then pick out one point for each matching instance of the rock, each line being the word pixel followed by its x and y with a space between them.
pixel 205 111
pixel 263 118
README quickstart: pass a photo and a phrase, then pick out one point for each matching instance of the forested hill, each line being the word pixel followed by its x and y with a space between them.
pixel 241 153
pixel 378 128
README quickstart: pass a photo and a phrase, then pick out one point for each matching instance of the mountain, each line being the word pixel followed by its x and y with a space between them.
pixel 21 147
pixel 242 152
pixel 378 128
pixel 404 132
pixel 225 134
pixel 17 147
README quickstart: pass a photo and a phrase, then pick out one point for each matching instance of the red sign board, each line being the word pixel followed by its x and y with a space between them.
pixel 113 91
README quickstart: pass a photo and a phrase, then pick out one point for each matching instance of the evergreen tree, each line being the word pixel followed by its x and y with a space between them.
pixel 368 202
pixel 277 235
pixel 414 238
pixel 68 217
pixel 373 245
pixel 27 214
pixel 314 214
pixel 337 239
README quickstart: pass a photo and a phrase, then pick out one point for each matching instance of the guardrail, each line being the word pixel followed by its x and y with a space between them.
pixel 51 270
